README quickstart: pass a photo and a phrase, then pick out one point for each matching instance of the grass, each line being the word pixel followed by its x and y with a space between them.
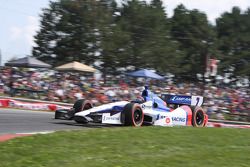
pixel 131 147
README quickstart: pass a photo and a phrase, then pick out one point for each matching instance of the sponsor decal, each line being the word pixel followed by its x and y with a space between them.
pixel 196 100
pixel 158 117
pixel 164 118
pixel 106 118
pixel 115 119
pixel 167 120
pixel 179 119
pixel 181 98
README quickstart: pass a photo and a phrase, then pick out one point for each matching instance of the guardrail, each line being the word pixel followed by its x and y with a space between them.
pixel 30 104
pixel 33 100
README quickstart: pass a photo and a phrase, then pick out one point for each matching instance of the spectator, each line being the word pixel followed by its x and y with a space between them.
pixel 68 88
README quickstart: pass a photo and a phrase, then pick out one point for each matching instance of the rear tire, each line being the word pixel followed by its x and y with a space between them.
pixel 132 115
pixel 198 117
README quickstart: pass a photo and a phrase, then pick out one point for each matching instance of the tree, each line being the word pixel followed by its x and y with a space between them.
pixel 47 36
pixel 111 39
pixel 149 41
pixel 68 32
pixel 234 40
pixel 196 37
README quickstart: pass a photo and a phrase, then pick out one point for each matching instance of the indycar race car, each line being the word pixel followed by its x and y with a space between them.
pixel 167 110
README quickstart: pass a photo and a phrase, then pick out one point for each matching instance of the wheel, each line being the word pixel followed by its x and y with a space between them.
pixel 132 115
pixel 81 105
pixel 198 117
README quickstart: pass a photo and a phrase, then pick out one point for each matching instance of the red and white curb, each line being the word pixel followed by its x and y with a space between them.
pixel 223 125
pixel 5 137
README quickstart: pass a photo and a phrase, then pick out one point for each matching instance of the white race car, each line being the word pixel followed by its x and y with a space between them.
pixel 147 110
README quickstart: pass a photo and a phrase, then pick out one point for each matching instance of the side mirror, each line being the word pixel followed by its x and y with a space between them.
pixel 155 105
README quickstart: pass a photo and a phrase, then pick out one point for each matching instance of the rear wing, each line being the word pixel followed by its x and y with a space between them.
pixel 185 100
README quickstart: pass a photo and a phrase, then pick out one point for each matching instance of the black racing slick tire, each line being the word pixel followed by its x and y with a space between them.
pixel 81 105
pixel 133 114
pixel 198 117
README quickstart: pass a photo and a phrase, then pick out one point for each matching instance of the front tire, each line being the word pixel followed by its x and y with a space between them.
pixel 81 105
pixel 198 117
pixel 133 114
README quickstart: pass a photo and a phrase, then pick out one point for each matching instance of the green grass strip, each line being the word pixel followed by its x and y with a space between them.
pixel 131 147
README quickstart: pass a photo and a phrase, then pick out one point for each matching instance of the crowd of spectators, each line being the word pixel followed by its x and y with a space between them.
pixel 68 87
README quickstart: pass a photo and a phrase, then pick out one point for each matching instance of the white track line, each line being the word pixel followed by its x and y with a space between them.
pixel 33 133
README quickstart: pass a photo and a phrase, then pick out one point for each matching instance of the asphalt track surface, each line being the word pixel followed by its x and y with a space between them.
pixel 24 121
pixel 15 121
